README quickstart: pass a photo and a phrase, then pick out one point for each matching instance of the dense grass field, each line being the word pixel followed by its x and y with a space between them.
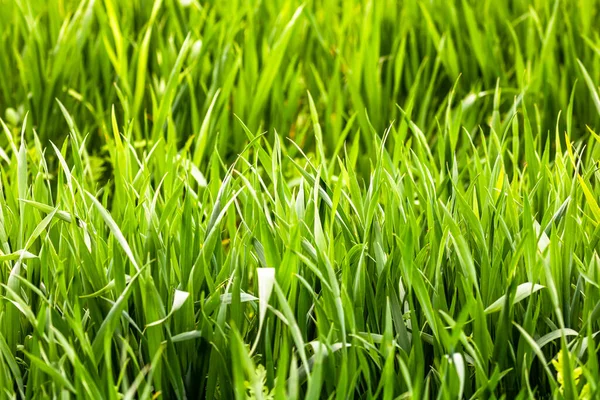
pixel 341 199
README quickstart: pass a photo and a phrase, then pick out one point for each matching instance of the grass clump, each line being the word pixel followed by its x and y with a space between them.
pixel 344 199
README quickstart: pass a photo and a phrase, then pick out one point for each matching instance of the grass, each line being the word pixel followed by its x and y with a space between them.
pixel 327 199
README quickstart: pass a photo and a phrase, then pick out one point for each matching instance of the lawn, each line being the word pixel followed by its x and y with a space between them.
pixel 339 199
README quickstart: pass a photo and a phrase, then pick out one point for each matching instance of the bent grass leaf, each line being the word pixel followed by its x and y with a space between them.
pixel 523 291
pixel 266 280
pixel 179 299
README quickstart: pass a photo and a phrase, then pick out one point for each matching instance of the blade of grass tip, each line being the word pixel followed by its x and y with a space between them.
pixel 266 280
pixel 458 361
pixel 133 388
pixel 292 381
pixel 318 134
pixel 182 337
pixel 63 215
pixel 590 84
pixel 114 228
pixel 9 137
pixel 590 198
pixel 193 170
pixel 153 368
pixel 217 207
pixel 38 230
pixel 67 116
pixel 142 67
pixel 294 328
pixel 142 62
pixel 17 255
pixel 50 371
pixel 417 131
pixel 536 349
pixel 169 93
pixel 116 134
pixel 64 165
pixel 557 216
pixel 112 317
pixel 267 77
pixel 22 181
pixel 11 362
pixel 4 156
pixel 202 139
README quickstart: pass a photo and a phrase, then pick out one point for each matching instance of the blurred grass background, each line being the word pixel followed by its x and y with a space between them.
pixel 166 60
pixel 284 199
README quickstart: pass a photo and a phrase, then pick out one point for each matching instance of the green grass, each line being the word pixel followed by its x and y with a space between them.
pixel 275 199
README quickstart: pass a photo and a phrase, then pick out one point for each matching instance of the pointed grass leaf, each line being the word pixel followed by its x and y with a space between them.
pixel 114 228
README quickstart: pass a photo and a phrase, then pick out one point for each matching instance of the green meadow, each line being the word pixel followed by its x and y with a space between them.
pixel 275 199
